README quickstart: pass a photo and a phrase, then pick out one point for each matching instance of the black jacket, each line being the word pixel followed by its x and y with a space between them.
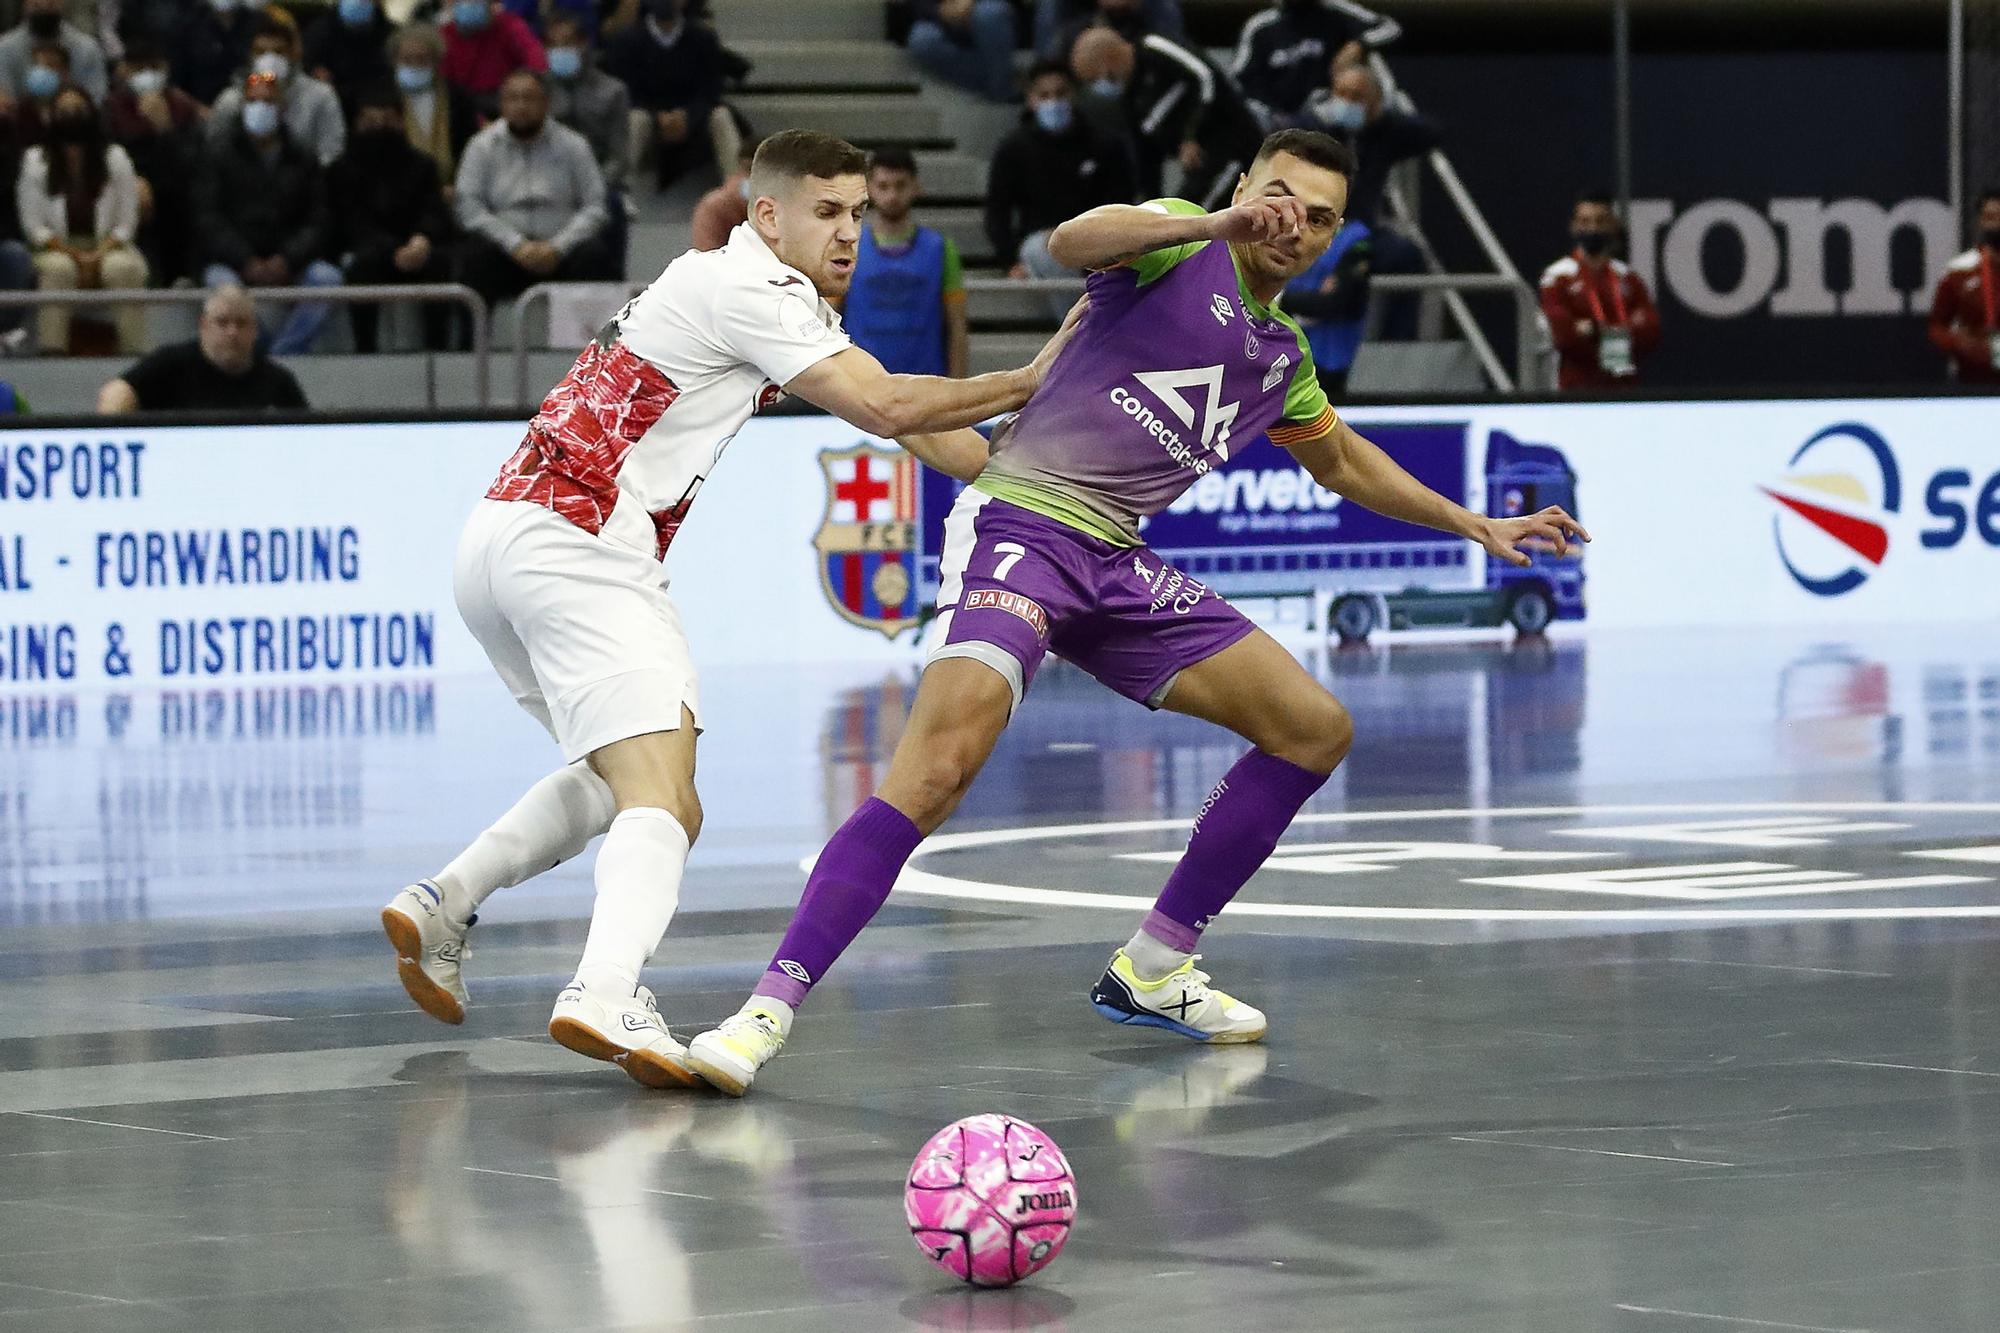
pixel 383 197
pixel 686 76
pixel 355 57
pixel 1390 138
pixel 1040 179
pixel 1286 52
pixel 1178 95
pixel 247 208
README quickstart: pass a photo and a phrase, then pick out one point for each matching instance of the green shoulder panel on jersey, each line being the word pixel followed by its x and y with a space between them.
pixel 1307 414
pixel 1156 264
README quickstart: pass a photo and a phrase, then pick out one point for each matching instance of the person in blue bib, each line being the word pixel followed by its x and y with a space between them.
pixel 906 306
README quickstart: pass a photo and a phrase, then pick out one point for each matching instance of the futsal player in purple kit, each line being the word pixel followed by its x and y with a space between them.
pixel 1181 359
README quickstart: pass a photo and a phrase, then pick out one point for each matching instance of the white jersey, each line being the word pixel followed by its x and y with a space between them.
pixel 623 443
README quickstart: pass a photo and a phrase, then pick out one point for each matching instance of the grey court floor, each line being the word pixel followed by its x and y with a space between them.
pixel 1629 982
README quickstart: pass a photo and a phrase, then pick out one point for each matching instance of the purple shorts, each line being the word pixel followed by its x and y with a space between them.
pixel 1017 586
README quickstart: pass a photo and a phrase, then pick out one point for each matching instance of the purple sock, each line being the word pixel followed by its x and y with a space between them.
pixel 1234 832
pixel 846 889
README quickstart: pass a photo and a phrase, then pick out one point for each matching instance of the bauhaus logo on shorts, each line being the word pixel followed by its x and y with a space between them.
pixel 1839 501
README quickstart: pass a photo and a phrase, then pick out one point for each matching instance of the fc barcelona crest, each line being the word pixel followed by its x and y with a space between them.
pixel 867 540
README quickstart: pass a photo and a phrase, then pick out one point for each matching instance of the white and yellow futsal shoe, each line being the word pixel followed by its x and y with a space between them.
pixel 628 1032
pixel 1182 1001
pixel 429 948
pixel 728 1057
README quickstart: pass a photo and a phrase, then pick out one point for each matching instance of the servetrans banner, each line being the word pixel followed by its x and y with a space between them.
pixel 188 554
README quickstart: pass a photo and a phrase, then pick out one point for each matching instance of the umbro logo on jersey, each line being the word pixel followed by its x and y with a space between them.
pixel 1277 373
pixel 1222 310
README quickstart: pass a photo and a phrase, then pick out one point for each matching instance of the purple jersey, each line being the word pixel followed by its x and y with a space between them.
pixel 1173 367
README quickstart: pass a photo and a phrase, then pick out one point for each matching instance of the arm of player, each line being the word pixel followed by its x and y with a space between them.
pixel 956 453
pixel 1342 460
pixel 1119 233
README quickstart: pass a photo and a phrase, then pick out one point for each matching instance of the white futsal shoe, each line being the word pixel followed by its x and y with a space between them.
pixel 1182 1001
pixel 429 947
pixel 628 1032
pixel 728 1057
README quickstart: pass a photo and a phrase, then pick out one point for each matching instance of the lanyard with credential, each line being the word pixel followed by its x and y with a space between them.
pixel 1618 295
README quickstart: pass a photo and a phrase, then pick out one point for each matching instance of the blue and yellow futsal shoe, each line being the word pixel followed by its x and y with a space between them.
pixel 1181 1001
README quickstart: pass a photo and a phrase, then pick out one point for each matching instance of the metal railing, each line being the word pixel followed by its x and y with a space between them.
pixel 539 296
pixel 382 294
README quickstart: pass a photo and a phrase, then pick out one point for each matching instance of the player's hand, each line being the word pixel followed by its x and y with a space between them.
pixel 1268 218
pixel 1052 349
pixel 1515 539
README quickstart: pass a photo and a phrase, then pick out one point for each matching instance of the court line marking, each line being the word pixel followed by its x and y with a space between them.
pixel 1917 1069
pixel 1737 1319
pixel 1779 967
pixel 1592 1152
pixel 113 1124
pixel 64 1291
pixel 557 1180
pixel 925 883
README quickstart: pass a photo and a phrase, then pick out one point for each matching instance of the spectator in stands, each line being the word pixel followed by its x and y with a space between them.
pixel 48 74
pixel 221 371
pixel 310 110
pixel 261 215
pixel 1330 301
pixel 391 222
pixel 906 305
pixel 969 43
pixel 42 25
pixel 483 45
pixel 1965 313
pixel 530 199
pixel 347 46
pixel 1285 51
pixel 1178 106
pixel 588 100
pixel 210 43
pixel 1354 109
pixel 1599 312
pixel 674 69
pixel 441 119
pixel 78 200
pixel 17 269
pixel 159 127
pixel 1051 167
pixel 1057 22
pixel 726 207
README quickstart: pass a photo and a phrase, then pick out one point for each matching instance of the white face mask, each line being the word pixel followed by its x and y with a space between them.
pixel 146 82
pixel 272 66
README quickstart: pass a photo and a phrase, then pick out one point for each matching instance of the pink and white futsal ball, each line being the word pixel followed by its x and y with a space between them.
pixel 990 1200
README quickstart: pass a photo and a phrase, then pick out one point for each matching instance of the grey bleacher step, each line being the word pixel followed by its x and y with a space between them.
pixel 993 306
pixel 826 64
pixel 871 117
pixel 1003 351
pixel 953 175
pixel 964 226
pixel 1444 366
pixel 791 20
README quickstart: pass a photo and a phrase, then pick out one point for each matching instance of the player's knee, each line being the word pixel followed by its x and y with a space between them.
pixel 1316 736
pixel 932 786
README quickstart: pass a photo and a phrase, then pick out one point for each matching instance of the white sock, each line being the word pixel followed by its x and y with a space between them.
pixel 639 871
pixel 776 1008
pixel 555 820
pixel 1151 958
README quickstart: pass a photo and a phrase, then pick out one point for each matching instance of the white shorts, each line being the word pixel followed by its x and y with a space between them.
pixel 580 628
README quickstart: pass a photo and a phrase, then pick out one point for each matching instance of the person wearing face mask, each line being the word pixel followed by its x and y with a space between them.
pixel 42 25
pixel 1053 166
pixel 390 220
pixel 1285 50
pixel 209 41
pixel 598 107
pixel 308 108
pixel 159 127
pixel 347 48
pixel 1176 106
pixel 48 74
pixel 1600 314
pixel 673 67
pixel 1057 22
pixel 726 207
pixel 530 199
pixel 484 43
pixel 1965 313
pixel 968 43
pixel 78 200
pixel 440 119
pixel 261 213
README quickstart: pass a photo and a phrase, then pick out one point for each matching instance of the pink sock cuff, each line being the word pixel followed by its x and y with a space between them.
pixel 777 985
pixel 1176 935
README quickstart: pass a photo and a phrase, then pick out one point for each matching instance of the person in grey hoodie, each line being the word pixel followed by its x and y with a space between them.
pixel 309 110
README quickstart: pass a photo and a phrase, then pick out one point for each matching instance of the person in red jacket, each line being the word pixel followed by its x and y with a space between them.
pixel 483 44
pixel 1965 313
pixel 1599 312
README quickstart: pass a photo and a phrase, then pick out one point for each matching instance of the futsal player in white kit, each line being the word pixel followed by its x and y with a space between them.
pixel 558 576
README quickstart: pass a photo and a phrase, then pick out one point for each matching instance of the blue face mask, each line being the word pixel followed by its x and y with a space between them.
pixel 1107 87
pixel 42 81
pixel 357 13
pixel 471 15
pixel 1342 114
pixel 414 78
pixel 1054 117
pixel 565 62
pixel 260 118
